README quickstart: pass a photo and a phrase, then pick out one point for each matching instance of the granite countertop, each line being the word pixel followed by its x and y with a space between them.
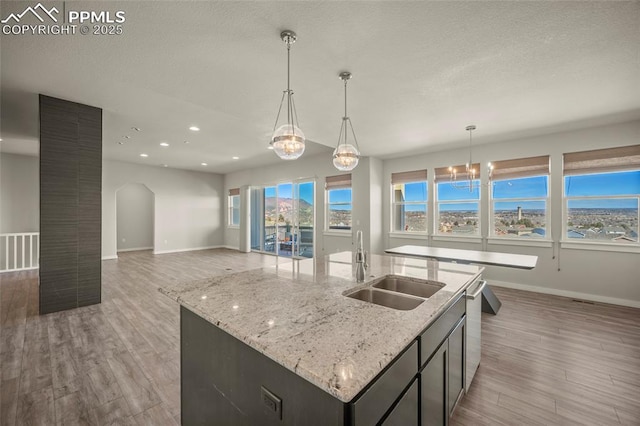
pixel 296 314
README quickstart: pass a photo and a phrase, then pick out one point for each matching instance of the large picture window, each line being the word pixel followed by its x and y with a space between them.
pixel 520 198
pixel 457 204
pixel 234 207
pixel 338 202
pixel 409 201
pixel 602 195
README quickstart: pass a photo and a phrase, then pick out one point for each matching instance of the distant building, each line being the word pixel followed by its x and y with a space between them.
pixel 572 233
pixel 519 213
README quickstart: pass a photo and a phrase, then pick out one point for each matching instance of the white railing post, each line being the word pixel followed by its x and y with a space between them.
pixel 20 255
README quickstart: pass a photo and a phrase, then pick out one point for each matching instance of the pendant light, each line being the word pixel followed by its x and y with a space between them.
pixel 288 140
pixel 466 180
pixel 346 156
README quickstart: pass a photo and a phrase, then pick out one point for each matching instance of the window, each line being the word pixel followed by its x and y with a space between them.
pixel 234 207
pixel 457 203
pixel 339 202
pixel 520 198
pixel 602 195
pixel 409 201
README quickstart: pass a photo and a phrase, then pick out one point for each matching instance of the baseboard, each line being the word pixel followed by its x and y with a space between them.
pixel 135 249
pixel 18 270
pixel 567 293
pixel 187 249
pixel 112 257
pixel 231 248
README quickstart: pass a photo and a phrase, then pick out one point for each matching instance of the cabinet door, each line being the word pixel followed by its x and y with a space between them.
pixel 435 410
pixel 456 364
pixel 405 412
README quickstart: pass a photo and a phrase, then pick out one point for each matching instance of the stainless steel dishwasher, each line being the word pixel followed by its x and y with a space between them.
pixel 474 325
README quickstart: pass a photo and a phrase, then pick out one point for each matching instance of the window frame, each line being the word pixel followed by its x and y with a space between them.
pixel 547 200
pixel 585 242
pixel 394 204
pixel 230 210
pixel 328 204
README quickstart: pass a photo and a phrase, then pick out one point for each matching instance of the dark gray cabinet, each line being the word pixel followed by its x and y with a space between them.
pixel 433 383
pixel 456 366
pixel 405 413
pixel 224 381
pixel 442 377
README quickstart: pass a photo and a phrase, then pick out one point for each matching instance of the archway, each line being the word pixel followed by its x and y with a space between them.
pixel 135 206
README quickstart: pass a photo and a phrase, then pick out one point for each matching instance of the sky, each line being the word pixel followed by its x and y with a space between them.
pixel 285 190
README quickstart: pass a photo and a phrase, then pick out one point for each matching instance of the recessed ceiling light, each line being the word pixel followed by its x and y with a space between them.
pixel 0 139
pixel 203 164
pixel 164 165
pixel 236 158
pixel 126 137
pixel 144 155
pixel 194 128
pixel 137 129
pixel 120 143
pixel 164 144
pixel 269 147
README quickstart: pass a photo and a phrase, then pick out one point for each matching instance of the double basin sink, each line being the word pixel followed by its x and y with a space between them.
pixel 402 293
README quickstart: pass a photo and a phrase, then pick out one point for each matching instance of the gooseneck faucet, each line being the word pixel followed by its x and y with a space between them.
pixel 361 258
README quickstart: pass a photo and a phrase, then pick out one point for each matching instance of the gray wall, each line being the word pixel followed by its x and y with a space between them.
pixel 188 206
pixel 19 188
pixel 134 204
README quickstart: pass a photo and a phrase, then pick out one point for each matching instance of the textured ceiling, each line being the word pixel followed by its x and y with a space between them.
pixel 422 72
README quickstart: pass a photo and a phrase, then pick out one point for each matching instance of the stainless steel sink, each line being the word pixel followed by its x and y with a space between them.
pixel 388 299
pixel 415 287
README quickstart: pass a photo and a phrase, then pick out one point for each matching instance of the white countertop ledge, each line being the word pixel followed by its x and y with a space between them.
pixel 296 314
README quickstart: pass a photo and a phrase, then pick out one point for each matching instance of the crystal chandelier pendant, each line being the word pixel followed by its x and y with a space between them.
pixel 346 156
pixel 288 141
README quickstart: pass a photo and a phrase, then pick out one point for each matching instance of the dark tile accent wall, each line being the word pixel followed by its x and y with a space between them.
pixel 70 204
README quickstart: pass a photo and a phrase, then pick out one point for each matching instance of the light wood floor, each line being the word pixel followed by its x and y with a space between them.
pixel 546 359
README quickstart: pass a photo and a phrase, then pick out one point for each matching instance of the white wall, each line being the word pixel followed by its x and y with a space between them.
pixel 19 193
pixel 188 206
pixel 134 217
pixel 595 275
pixel 317 167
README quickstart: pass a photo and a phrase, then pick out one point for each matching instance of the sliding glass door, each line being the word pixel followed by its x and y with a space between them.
pixel 286 225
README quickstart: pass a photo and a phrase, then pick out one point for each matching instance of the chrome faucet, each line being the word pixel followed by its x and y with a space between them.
pixel 361 258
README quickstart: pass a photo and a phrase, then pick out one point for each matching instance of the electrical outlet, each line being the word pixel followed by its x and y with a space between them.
pixel 271 402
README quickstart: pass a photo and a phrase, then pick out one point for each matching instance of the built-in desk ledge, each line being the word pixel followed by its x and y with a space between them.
pixel 520 242
pixel 622 247
pixel 410 235
pixel 476 239
pixel 337 233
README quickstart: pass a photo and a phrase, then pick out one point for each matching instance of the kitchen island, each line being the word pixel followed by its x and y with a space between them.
pixel 285 345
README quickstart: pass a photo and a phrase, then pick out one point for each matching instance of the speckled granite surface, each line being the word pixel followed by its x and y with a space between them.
pixel 296 313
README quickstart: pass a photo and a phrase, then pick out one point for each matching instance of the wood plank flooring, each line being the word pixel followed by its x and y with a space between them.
pixel 546 359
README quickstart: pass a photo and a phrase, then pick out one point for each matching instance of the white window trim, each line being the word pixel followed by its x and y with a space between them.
pixel 588 245
pixel 410 235
pixel 230 212
pixel 336 232
pixel 506 241
pixel 546 240
pixel 477 239
pixel 436 216
pixel 410 203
